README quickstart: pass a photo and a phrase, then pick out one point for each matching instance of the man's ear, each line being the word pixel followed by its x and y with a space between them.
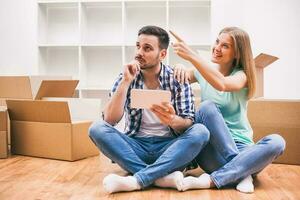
pixel 162 54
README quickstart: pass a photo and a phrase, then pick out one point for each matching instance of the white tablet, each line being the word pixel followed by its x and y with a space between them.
pixel 141 98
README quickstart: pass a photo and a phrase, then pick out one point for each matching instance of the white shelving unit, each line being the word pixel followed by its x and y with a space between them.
pixel 90 40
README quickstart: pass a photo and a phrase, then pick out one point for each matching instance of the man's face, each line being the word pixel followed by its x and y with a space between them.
pixel 148 53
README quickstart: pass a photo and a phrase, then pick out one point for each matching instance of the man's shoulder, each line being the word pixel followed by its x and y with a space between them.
pixel 170 72
pixel 168 69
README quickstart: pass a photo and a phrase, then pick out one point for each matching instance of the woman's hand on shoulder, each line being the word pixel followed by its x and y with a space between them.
pixel 183 74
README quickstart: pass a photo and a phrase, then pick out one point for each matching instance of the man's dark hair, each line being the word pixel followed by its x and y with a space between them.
pixel 160 33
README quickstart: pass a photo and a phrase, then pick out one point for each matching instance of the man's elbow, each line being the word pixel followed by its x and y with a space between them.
pixel 109 120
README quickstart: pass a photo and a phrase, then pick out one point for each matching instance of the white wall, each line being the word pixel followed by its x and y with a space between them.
pixel 274 28
pixel 18 49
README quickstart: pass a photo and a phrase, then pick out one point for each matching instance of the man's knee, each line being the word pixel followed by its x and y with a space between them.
pixel 199 133
pixel 97 129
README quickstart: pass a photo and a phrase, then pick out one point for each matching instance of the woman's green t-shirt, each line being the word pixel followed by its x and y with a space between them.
pixel 233 106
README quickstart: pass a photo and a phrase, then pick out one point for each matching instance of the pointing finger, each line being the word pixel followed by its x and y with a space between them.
pixel 176 36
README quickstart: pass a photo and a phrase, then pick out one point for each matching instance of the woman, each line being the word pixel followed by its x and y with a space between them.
pixel 231 156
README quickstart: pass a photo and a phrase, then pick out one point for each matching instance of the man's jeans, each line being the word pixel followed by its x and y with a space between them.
pixel 228 161
pixel 149 158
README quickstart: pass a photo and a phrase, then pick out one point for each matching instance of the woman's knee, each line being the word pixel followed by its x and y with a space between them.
pixel 276 143
pixel 207 109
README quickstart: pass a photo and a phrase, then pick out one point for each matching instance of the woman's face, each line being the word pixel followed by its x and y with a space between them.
pixel 223 50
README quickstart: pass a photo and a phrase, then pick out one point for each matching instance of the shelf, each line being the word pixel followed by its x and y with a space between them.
pixel 190 15
pixel 90 40
pixel 101 45
pixel 100 66
pixel 58 45
pixel 59 61
pixel 139 14
pixel 102 22
pixel 56 1
pixel 95 93
pixel 58 23
pixel 129 53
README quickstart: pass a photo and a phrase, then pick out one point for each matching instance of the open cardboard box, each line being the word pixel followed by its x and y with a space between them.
pixel 53 127
pixel 23 87
pixel 34 87
pixel 261 61
pixel 277 116
pixel 3 132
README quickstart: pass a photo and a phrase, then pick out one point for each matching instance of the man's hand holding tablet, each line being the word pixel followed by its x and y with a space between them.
pixel 158 101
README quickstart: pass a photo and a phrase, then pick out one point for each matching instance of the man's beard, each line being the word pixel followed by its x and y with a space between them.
pixel 149 65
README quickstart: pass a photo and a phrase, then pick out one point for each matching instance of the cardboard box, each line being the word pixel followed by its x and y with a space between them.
pixel 277 116
pixel 261 61
pixel 48 129
pixel 23 87
pixel 34 87
pixel 2 102
pixel 3 132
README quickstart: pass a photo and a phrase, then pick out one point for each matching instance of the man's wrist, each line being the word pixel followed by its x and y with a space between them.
pixel 125 83
pixel 173 121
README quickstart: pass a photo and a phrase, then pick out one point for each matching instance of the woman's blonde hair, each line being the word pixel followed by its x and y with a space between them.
pixel 243 56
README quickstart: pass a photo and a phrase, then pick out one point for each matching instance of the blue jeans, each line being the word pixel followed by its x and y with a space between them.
pixel 228 161
pixel 149 158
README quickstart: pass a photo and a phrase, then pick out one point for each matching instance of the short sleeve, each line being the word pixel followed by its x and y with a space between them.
pixel 199 78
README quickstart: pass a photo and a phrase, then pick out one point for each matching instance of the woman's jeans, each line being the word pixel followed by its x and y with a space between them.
pixel 228 161
pixel 149 158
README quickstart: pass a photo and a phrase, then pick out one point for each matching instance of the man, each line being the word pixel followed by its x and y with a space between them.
pixel 157 141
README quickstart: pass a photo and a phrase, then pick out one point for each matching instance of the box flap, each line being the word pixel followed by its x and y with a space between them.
pixel 81 109
pixel 39 111
pixel 15 87
pixel 57 88
pixel 263 60
pixel 3 118
pixel 36 80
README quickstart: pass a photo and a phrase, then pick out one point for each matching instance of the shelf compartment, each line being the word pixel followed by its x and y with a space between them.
pixel 102 23
pixel 58 23
pixel 139 14
pixel 190 20
pixel 59 61
pixel 102 94
pixel 100 66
